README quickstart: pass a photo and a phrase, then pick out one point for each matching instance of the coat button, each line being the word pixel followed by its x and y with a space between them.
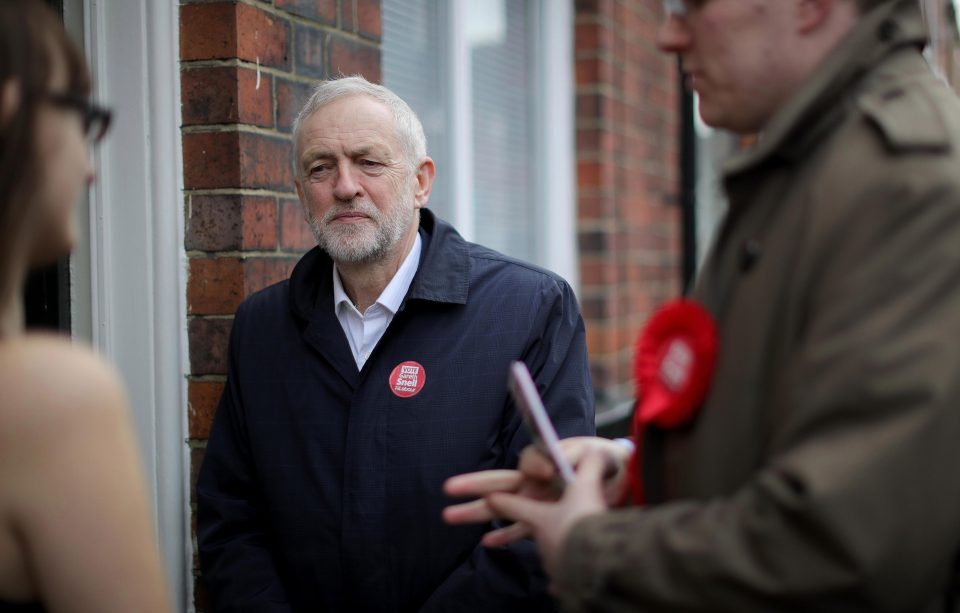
pixel 749 254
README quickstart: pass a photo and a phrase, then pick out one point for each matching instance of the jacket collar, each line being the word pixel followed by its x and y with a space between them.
pixel 443 275
pixel 811 112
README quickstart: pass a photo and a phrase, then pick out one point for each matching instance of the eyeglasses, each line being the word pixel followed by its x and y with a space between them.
pixel 96 118
pixel 676 8
pixel 681 8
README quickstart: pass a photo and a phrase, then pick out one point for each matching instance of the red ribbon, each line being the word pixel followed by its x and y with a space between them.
pixel 675 358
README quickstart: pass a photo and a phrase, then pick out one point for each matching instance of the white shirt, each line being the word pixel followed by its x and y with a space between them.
pixel 364 330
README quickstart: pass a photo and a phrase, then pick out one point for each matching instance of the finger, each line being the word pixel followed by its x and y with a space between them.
pixel 483 483
pixel 517 508
pixel 506 535
pixel 590 473
pixel 473 512
pixel 574 447
pixel 536 465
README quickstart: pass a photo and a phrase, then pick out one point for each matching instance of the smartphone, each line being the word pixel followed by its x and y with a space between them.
pixel 541 429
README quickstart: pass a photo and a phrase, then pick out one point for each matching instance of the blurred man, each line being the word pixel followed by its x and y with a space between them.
pixel 819 471
pixel 375 372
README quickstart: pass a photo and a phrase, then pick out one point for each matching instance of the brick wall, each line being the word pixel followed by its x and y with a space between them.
pixel 246 68
pixel 628 177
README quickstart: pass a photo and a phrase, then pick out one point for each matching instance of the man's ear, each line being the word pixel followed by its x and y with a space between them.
pixel 812 14
pixel 425 175
pixel 9 101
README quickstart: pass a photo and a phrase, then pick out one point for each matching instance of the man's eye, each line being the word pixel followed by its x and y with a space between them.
pixel 319 168
pixel 370 163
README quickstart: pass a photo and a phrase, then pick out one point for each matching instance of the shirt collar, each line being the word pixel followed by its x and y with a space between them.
pixel 392 295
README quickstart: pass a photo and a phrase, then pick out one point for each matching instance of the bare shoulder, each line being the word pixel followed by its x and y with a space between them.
pixel 46 377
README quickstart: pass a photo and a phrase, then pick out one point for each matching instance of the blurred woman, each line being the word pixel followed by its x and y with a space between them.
pixel 75 528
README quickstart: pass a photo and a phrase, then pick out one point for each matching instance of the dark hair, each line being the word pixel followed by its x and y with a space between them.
pixel 32 43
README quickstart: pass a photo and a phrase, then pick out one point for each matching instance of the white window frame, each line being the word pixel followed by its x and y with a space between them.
pixel 559 196
pixel 128 280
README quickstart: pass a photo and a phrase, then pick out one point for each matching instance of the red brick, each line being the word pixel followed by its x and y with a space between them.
pixel 295 233
pixel 209 95
pixel 230 222
pixel 208 339
pixel 214 286
pixel 236 159
pixel 593 71
pixel 348 17
pixel 259 223
pixel 309 51
pixel 595 308
pixel 255 97
pixel 368 19
pixel 226 95
pixel 202 400
pixel 196 461
pixel 291 96
pixel 592 208
pixel 208 31
pixel 262 37
pixel 214 223
pixel 596 272
pixel 590 106
pixel 589 141
pixel 265 162
pixel 592 174
pixel 593 242
pixel 211 160
pixel 349 57
pixel 259 273
pixel 601 339
pixel 586 36
pixel 324 11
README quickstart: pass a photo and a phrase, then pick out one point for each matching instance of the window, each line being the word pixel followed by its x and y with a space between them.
pixel 491 81
pixel 943 52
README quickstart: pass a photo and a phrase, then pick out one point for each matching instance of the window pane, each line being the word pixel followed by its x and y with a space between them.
pixel 502 96
pixel 412 67
pixel 422 55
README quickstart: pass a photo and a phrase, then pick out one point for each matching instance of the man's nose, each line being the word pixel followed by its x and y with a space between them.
pixel 673 36
pixel 346 187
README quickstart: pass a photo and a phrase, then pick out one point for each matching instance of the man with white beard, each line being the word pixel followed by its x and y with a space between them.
pixel 379 369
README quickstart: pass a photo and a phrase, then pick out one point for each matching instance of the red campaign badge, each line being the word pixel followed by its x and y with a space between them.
pixel 407 379
pixel 675 359
pixel 634 491
pixel 676 354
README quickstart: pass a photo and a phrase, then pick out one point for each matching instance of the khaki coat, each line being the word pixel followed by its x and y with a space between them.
pixel 823 471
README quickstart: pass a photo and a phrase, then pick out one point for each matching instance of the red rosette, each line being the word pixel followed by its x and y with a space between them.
pixel 676 354
pixel 674 363
pixel 634 492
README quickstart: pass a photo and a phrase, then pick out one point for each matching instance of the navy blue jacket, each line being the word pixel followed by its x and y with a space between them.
pixel 321 488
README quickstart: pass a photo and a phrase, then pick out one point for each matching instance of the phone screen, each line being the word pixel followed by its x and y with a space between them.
pixel 541 429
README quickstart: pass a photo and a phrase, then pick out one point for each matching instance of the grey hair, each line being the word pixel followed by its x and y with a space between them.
pixel 408 127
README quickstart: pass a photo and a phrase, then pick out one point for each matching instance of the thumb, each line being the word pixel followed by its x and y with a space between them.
pixel 516 508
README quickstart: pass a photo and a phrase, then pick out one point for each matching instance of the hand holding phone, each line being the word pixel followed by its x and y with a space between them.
pixel 535 417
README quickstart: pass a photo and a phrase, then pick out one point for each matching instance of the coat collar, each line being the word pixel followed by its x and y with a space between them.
pixel 817 107
pixel 443 275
